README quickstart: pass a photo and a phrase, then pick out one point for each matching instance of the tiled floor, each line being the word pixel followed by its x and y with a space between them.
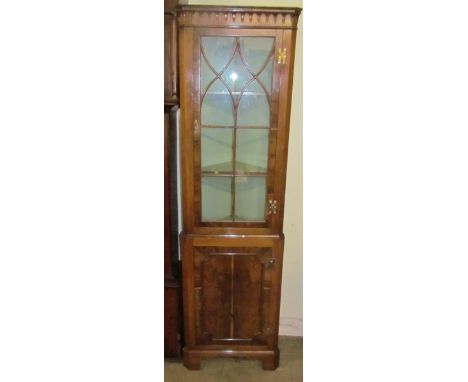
pixel 233 370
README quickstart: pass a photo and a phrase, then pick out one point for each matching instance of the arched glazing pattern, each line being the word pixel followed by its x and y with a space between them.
pixel 236 83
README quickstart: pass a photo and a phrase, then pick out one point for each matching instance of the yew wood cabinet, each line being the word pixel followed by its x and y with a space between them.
pixel 236 71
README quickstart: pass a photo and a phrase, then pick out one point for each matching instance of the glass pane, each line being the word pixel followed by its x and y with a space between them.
pixel 235 59
pixel 206 76
pixel 216 149
pixel 218 50
pixel 252 150
pixel 250 198
pixel 217 87
pixel 256 51
pixel 237 75
pixel 267 76
pixel 216 198
pixel 254 109
pixel 217 108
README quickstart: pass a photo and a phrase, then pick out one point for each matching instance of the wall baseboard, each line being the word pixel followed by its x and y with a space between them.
pixel 290 326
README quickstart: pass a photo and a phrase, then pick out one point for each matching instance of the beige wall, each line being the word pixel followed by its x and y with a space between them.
pixel 291 299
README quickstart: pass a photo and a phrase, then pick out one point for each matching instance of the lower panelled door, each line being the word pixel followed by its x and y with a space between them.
pixel 233 298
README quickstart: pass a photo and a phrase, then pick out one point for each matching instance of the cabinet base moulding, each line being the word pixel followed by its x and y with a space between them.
pixel 192 357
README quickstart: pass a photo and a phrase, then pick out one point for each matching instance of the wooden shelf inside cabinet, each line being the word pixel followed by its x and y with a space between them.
pixel 227 169
pixel 236 71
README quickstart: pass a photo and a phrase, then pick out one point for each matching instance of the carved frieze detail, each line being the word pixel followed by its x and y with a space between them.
pixel 201 16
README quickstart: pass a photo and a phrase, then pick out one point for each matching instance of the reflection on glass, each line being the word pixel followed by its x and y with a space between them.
pixel 236 75
pixel 252 149
pixel 206 75
pixel 216 198
pixel 218 50
pixel 267 76
pixel 216 149
pixel 254 109
pixel 217 107
pixel 236 79
pixel 255 51
pixel 250 198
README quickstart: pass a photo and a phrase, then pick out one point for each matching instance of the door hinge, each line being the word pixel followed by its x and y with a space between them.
pixel 272 209
pixel 282 56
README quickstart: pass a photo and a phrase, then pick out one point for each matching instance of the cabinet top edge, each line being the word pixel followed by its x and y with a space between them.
pixel 223 8
pixel 237 17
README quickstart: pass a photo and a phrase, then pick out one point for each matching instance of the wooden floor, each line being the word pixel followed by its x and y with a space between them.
pixel 233 370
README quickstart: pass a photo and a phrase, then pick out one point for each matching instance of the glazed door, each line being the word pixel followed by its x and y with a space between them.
pixel 233 297
pixel 236 89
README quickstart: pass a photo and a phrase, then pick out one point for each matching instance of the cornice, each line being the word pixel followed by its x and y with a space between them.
pixel 237 17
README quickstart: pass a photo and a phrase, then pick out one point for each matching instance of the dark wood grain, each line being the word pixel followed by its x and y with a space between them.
pixel 170 92
pixel 171 85
pixel 231 293
pixel 215 272
pixel 172 323
pixel 172 310
pixel 171 319
pixel 167 205
pixel 248 275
